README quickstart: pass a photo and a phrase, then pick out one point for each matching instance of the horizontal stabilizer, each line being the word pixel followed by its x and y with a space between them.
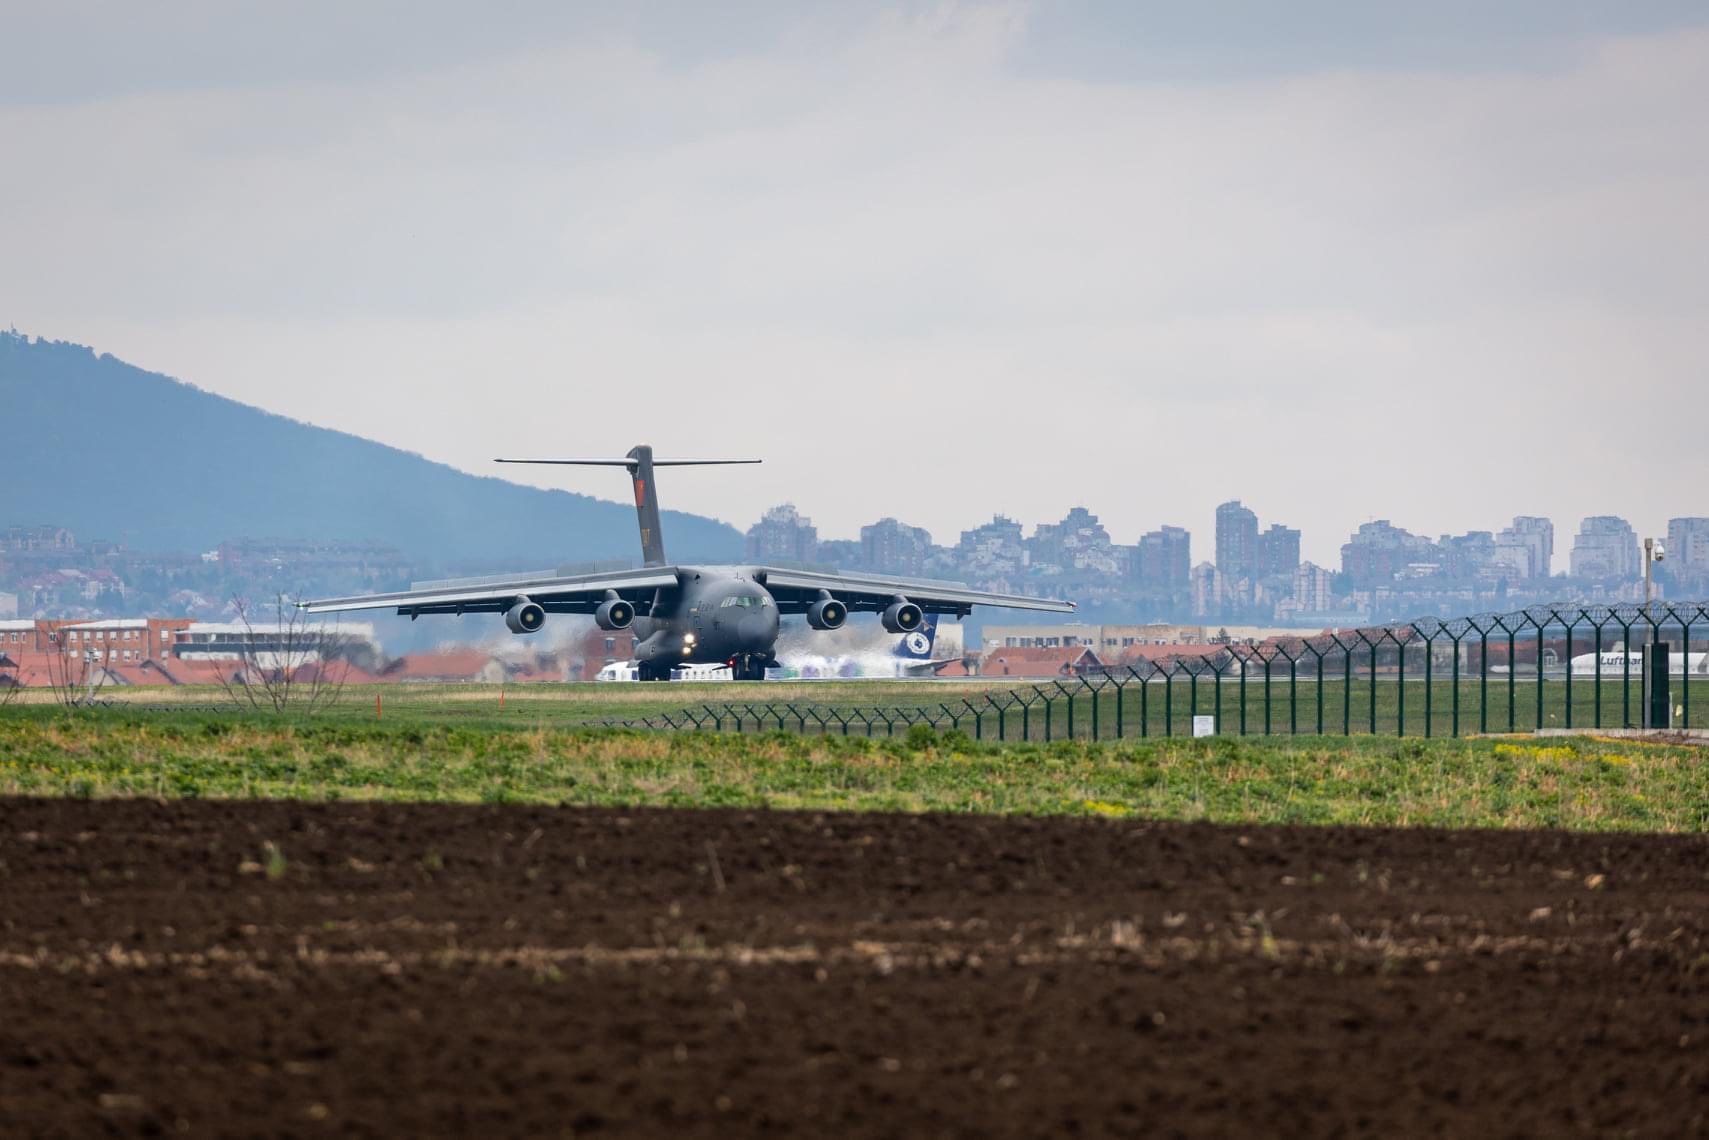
pixel 631 462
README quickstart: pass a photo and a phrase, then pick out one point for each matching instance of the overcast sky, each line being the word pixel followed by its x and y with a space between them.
pixel 1441 264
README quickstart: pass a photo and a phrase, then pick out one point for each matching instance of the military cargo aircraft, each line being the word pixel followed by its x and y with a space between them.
pixel 684 615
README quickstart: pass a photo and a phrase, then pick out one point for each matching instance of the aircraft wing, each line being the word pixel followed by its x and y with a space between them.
pixel 795 590
pixel 557 594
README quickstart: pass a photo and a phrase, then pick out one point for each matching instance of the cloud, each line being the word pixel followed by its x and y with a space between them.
pixel 925 268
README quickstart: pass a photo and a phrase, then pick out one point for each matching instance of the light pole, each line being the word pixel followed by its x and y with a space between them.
pixel 1654 552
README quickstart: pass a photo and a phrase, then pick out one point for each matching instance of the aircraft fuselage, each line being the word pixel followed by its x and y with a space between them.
pixel 716 614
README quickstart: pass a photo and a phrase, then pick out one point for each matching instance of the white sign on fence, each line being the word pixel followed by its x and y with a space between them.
pixel 1204 726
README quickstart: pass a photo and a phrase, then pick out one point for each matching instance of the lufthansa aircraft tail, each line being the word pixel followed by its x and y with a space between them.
pixel 640 463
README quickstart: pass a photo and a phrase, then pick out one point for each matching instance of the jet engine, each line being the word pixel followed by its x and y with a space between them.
pixel 524 616
pixel 902 616
pixel 614 613
pixel 827 613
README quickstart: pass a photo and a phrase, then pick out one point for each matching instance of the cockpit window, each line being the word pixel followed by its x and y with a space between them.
pixel 745 602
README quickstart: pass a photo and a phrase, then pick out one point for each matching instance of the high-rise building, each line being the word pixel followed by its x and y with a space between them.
pixel 1311 589
pixel 1278 552
pixel 1527 548
pixel 783 535
pixel 1082 543
pixel 1460 557
pixel 1380 550
pixel 1165 558
pixel 1236 542
pixel 1606 548
pixel 1078 542
pixel 1207 588
pixel 1688 547
pixel 891 547
pixel 994 550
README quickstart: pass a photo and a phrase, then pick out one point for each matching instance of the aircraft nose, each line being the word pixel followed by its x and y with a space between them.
pixel 758 630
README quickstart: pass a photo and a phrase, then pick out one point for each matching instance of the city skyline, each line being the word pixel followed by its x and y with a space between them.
pixel 1529 533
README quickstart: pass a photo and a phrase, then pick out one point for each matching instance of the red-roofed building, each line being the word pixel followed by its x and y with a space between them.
pixel 1041 662
pixel 338 673
pixel 121 639
pixel 446 665
pixel 1135 654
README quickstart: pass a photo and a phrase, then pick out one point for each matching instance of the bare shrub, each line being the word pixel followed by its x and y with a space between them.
pixel 290 663
pixel 77 666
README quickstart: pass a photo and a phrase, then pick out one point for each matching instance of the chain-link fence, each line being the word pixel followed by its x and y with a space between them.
pixel 1543 667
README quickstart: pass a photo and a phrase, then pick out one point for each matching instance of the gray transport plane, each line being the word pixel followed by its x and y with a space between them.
pixel 688 615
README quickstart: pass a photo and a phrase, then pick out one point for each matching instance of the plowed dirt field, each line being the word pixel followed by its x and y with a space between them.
pixel 271 968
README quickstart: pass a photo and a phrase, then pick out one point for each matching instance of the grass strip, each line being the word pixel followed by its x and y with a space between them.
pixel 1580 783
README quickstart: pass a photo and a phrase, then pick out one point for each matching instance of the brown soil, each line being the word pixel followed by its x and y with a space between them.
pixel 427 970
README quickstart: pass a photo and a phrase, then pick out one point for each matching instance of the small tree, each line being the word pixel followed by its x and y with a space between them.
pixel 295 663
pixel 76 667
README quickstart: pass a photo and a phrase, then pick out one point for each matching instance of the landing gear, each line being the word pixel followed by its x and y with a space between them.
pixel 751 666
pixel 647 671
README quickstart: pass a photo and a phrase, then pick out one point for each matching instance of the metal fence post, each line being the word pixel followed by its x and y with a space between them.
pixel 1483 679
pixel 1245 668
pixel 1145 696
pixel 1625 672
pixel 1456 681
pixel 1215 665
pixel 1121 692
pixel 1346 685
pixel 1293 692
pixel 1069 693
pixel 1596 672
pixel 1400 682
pixel 1685 625
pixel 1429 666
pixel 1317 658
pixel 1169 700
pixel 1539 625
pixel 1094 691
pixel 1372 645
pixel 1267 658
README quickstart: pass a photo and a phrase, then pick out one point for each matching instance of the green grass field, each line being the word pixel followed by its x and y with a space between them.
pixel 1282 707
pixel 462 748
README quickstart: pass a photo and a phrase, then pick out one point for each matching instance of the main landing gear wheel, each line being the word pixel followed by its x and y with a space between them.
pixel 650 672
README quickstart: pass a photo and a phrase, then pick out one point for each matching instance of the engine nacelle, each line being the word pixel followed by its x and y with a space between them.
pixel 614 613
pixel 827 613
pixel 902 616
pixel 525 616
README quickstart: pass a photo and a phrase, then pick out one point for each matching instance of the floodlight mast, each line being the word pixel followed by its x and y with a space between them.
pixel 640 463
pixel 1654 551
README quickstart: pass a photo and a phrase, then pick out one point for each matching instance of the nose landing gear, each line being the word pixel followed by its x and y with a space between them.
pixel 751 666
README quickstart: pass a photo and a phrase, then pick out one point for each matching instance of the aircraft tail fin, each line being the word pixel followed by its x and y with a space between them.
pixel 640 463
pixel 917 646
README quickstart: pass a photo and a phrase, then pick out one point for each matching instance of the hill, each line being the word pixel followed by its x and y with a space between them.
pixel 111 451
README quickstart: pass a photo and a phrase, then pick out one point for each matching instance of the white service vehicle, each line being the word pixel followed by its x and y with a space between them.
pixel 703 672
pixel 631 671
pixel 619 671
